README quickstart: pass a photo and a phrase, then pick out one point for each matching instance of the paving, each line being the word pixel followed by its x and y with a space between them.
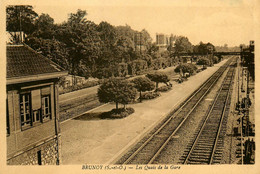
pixel 101 141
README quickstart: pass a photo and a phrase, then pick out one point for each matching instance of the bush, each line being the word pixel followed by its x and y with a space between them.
pixel 186 68
pixel 203 61
pixel 143 84
pixel 180 80
pixel 198 70
pixel 164 88
pixel 160 63
pixel 150 95
pixel 204 68
pixel 158 77
pixel 87 84
pixel 215 59
pixel 119 113
pixel 137 67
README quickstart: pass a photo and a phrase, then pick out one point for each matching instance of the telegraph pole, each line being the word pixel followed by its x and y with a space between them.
pixel 140 34
pixel 238 103
pixel 135 41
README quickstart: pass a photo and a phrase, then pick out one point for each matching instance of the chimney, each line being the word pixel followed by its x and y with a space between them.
pixel 15 37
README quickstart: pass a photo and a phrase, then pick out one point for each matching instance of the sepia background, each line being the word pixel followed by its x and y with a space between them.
pixel 217 21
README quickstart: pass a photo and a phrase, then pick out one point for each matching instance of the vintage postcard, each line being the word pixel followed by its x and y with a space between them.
pixel 96 86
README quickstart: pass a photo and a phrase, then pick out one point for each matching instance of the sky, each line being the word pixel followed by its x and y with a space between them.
pixel 220 22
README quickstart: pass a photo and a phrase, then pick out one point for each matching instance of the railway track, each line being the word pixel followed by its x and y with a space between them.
pixel 152 147
pixel 207 146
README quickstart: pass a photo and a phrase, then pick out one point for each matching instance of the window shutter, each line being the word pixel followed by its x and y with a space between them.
pixel 36 99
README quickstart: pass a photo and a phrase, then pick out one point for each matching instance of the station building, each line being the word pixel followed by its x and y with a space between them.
pixel 32 111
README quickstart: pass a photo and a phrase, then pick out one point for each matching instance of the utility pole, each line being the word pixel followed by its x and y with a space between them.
pixel 20 21
pixel 135 41
pixel 238 103
pixel 140 43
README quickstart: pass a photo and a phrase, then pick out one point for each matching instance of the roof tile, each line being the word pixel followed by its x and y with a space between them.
pixel 24 61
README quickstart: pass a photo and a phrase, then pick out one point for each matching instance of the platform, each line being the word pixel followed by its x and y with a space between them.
pixel 101 141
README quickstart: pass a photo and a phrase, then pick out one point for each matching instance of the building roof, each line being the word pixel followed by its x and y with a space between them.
pixel 23 63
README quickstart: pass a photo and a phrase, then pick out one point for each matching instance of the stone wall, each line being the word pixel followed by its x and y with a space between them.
pixel 48 152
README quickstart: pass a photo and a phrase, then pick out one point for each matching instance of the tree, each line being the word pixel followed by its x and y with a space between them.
pixel 143 84
pixel 185 68
pixel 215 59
pixel 124 48
pixel 203 61
pixel 146 39
pixel 158 78
pixel 82 41
pixel 116 90
pixel 108 36
pixel 52 49
pixel 204 49
pixel 182 44
pixel 44 27
pixel 20 18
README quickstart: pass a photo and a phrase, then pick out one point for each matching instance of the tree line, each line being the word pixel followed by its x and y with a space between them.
pixel 94 50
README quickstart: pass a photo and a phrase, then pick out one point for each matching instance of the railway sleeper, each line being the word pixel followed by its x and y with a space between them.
pixel 220 143
pixel 218 154
pixel 204 145
pixel 159 136
pixel 202 151
pixel 207 133
pixel 203 158
pixel 197 154
pixel 205 142
pixel 212 122
pixel 216 162
pixel 217 158
pixel 219 148
pixel 206 139
pixel 198 160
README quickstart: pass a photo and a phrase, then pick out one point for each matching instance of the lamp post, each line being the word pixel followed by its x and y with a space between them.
pixel 238 103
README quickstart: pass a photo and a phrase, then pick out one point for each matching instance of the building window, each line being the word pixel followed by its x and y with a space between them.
pixel 25 112
pixel 36 116
pixel 46 108
pixel 35 107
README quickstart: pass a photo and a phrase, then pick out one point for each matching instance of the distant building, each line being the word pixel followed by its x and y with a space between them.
pixel 172 40
pixel 163 41
pixel 32 112
pixel 139 42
